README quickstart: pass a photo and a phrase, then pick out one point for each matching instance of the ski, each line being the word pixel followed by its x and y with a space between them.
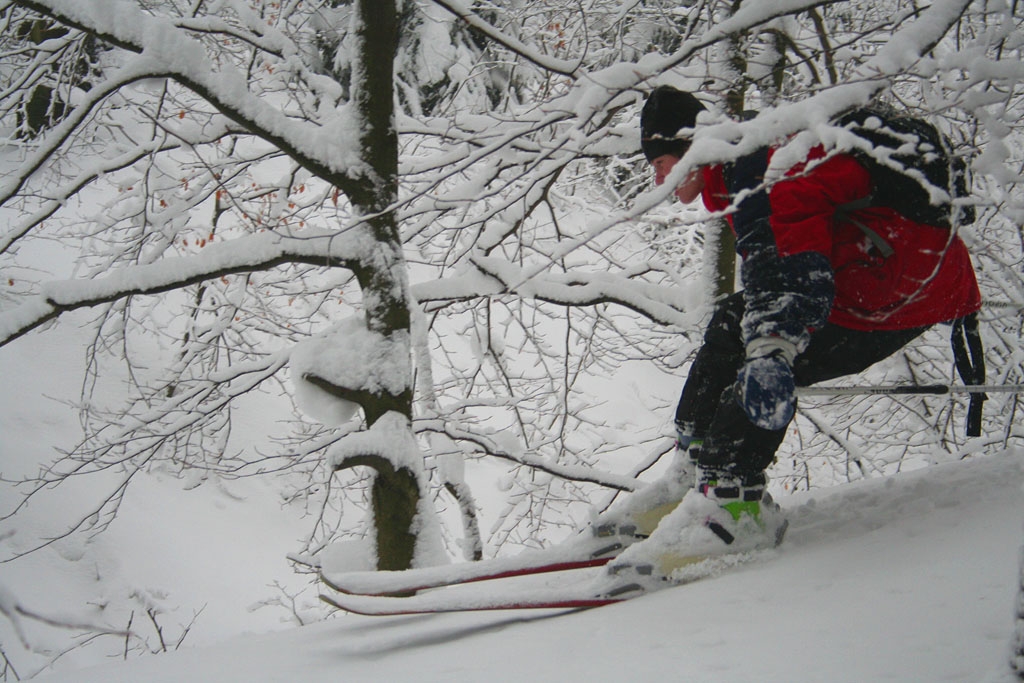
pixel 620 583
pixel 581 553
pixel 439 602
pixel 571 594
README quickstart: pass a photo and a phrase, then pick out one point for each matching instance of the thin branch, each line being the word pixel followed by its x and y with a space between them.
pixel 569 473
pixel 261 251
pixel 558 66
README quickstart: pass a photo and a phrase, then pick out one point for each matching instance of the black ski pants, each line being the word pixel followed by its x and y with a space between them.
pixel 709 411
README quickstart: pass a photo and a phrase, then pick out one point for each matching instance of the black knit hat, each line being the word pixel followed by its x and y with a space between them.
pixel 666 111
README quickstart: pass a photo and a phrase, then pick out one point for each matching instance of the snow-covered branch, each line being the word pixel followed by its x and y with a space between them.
pixel 497 277
pixel 164 49
pixel 492 445
pixel 513 44
pixel 242 255
pixel 12 608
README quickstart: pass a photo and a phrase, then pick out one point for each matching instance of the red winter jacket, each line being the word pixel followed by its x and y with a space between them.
pixel 929 279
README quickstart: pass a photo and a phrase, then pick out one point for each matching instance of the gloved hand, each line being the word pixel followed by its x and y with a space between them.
pixel 744 176
pixel 766 388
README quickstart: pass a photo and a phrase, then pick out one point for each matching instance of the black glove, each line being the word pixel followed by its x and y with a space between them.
pixel 745 175
pixel 766 388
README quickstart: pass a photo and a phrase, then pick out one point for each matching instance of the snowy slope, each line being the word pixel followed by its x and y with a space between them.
pixel 911 578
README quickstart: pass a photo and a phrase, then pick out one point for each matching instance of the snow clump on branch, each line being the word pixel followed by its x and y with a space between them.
pixel 353 358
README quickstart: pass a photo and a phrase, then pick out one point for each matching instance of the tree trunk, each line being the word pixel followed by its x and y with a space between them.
pixel 382 275
pixel 723 242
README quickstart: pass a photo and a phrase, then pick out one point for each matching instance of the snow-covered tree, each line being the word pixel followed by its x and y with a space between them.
pixel 188 106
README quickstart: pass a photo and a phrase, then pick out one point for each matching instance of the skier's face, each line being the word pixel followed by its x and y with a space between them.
pixel 689 189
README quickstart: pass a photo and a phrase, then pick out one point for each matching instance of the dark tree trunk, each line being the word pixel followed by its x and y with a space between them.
pixel 382 275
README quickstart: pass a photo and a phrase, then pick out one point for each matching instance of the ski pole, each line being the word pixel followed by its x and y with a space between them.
pixel 937 389
pixel 1012 305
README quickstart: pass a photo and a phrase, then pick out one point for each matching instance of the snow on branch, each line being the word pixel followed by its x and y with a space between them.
pixel 351 360
pixel 747 17
pixel 166 50
pixel 245 254
pixel 14 610
pixel 495 276
pixel 389 440
pixel 14 181
pixel 489 444
pixel 60 195
pixel 559 66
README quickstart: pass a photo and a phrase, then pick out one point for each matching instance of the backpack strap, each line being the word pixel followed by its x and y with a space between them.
pixel 970 363
pixel 844 213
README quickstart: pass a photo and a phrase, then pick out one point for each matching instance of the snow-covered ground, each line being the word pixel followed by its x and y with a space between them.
pixel 910 578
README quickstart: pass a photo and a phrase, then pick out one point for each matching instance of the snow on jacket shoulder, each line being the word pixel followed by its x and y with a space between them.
pixel 928 278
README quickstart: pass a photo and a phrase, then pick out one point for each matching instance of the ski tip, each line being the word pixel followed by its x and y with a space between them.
pixel 351 608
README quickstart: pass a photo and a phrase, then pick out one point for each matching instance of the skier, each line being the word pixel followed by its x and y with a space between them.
pixel 825 294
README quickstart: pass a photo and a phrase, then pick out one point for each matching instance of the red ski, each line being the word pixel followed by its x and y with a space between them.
pixel 573 598
pixel 622 582
pixel 580 553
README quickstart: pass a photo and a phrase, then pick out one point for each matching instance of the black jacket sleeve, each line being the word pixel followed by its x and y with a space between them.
pixel 785 296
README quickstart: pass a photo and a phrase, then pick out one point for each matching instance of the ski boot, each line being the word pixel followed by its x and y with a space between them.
pixel 721 516
pixel 636 517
